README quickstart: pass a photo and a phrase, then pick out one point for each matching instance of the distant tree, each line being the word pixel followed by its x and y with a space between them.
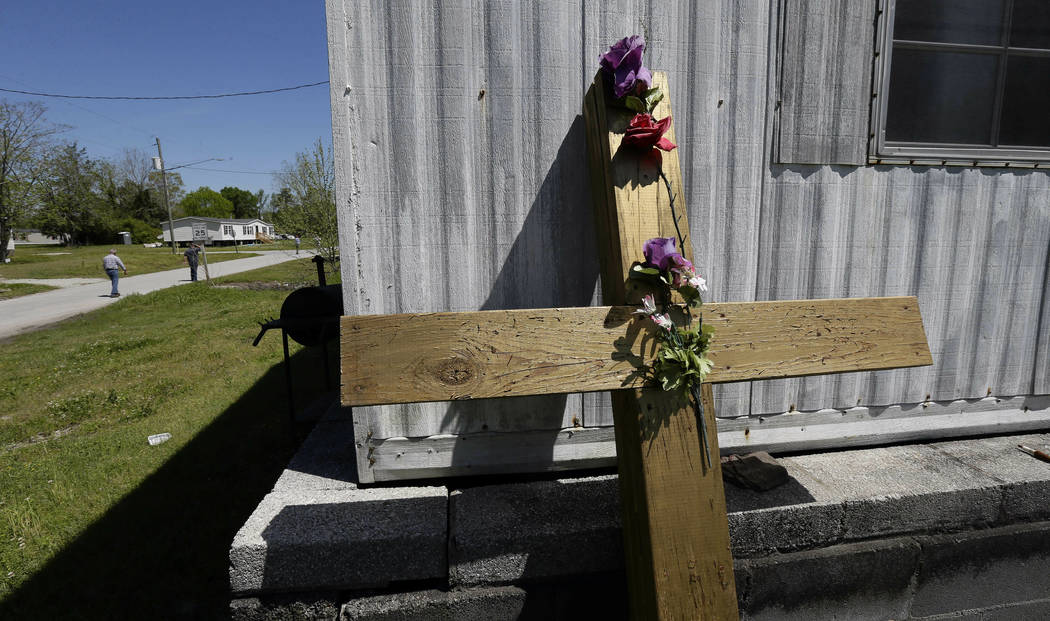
pixel 176 190
pixel 245 204
pixel 24 135
pixel 127 186
pixel 206 202
pixel 71 207
pixel 279 201
pixel 305 206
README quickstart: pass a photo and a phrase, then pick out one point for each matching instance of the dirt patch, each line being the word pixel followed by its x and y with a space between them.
pixel 263 286
pixel 40 437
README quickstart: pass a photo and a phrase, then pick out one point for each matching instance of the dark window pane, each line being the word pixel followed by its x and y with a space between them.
pixel 1031 24
pixel 1026 103
pixel 941 97
pixel 949 21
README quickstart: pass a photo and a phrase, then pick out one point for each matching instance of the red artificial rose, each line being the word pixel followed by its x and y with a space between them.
pixel 644 132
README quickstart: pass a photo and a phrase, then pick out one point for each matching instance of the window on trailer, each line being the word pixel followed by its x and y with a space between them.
pixel 964 80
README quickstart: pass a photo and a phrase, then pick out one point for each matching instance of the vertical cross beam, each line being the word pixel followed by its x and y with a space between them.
pixel 676 533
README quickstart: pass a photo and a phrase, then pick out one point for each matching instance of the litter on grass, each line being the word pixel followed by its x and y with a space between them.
pixel 159 438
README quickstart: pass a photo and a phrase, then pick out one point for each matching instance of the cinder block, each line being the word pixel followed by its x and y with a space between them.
pixel 462 605
pixel 505 533
pixel 341 539
pixel 929 512
pixel 1026 480
pixel 1026 611
pixel 286 607
pixel 782 529
pixel 855 582
pixel 983 569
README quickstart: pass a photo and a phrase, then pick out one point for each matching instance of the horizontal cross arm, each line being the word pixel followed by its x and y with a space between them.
pixel 410 358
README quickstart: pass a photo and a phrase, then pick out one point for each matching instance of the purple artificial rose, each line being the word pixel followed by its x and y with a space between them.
pixel 623 65
pixel 660 252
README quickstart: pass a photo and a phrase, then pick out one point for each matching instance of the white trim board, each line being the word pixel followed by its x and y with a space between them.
pixel 576 448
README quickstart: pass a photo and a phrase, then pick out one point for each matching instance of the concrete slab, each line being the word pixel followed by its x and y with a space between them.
pixel 1026 480
pixel 325 461
pixel 316 539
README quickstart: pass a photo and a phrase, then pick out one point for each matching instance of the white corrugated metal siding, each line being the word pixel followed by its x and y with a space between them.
pixel 462 183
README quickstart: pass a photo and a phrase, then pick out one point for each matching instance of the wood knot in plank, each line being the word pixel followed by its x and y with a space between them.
pixel 454 371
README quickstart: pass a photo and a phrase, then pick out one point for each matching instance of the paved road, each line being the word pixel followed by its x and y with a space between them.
pixel 76 296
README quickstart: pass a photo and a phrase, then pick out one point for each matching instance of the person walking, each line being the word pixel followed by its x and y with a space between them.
pixel 192 256
pixel 112 265
pixel 296 244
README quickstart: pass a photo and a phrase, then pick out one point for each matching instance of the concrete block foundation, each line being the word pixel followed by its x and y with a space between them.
pixel 947 530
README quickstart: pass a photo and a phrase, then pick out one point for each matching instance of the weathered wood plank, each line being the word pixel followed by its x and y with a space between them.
pixel 448 356
pixel 676 535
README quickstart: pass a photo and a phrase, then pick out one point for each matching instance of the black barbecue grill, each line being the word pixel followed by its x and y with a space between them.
pixel 310 316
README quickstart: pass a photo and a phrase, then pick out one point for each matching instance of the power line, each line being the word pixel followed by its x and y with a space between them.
pixel 99 114
pixel 225 170
pixel 241 94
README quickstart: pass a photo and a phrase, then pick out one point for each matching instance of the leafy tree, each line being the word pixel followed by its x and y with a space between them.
pixel 24 135
pixel 176 190
pixel 245 204
pixel 206 202
pixel 279 201
pixel 305 206
pixel 71 207
pixel 127 186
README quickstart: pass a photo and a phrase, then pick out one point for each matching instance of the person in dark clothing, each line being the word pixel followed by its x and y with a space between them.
pixel 192 255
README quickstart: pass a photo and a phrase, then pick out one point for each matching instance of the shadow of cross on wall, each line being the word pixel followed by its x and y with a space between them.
pixel 676 536
pixel 553 262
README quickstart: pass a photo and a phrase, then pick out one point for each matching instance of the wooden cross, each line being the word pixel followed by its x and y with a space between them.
pixel 676 534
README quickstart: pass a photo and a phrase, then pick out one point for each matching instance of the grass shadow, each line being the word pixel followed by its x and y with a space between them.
pixel 162 551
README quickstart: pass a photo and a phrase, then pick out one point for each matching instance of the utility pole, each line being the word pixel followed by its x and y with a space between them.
pixel 159 164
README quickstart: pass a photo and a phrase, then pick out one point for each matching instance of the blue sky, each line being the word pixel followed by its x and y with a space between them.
pixel 118 47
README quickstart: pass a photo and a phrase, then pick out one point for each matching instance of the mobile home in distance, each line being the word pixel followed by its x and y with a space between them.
pixel 221 231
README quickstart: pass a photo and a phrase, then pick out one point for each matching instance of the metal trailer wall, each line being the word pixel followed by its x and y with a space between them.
pixel 462 185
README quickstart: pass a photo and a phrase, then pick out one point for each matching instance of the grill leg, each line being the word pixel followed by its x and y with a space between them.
pixel 327 367
pixel 288 378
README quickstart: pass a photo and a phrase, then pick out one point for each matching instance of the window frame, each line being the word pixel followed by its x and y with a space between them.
pixel 882 151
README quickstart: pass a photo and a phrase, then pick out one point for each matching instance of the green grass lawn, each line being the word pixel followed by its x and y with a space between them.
pixel 10 290
pixel 95 522
pixel 86 261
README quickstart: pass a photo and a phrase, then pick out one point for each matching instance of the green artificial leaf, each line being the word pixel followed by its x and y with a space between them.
pixel 638 268
pixel 652 96
pixel 635 104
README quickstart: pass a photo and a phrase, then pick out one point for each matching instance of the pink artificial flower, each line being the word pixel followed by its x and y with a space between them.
pixel 648 306
pixel 664 321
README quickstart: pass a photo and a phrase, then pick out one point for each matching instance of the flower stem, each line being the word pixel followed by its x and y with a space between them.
pixel 698 404
pixel 701 422
pixel 674 214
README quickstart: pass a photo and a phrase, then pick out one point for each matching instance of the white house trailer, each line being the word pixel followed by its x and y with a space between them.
pixel 220 230
pixel 828 148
